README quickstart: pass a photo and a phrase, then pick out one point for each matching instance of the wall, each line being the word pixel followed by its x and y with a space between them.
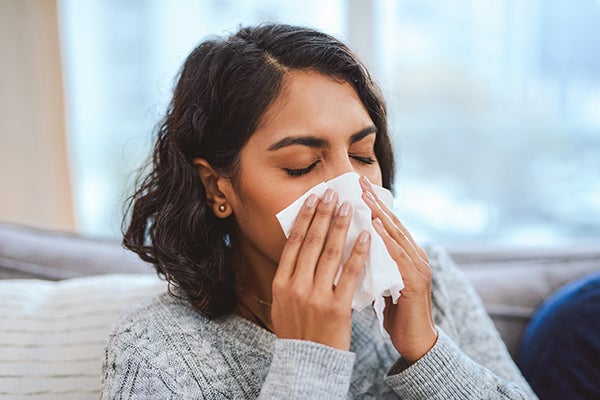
pixel 34 172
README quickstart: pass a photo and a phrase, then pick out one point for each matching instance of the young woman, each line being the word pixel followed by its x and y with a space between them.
pixel 256 120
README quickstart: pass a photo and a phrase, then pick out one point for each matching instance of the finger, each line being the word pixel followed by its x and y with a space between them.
pixel 397 252
pixel 390 227
pixel 390 221
pixel 368 187
pixel 353 268
pixel 331 256
pixel 294 242
pixel 412 270
pixel 312 246
pixel 415 274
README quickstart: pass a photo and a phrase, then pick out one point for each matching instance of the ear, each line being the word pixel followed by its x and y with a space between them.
pixel 213 183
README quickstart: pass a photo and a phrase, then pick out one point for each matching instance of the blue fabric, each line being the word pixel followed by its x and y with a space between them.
pixel 560 351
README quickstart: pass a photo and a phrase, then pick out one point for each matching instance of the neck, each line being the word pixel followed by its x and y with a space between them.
pixel 254 278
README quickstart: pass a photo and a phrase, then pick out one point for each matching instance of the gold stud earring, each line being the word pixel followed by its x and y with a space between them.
pixel 222 207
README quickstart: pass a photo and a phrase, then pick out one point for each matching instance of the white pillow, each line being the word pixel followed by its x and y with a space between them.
pixel 52 334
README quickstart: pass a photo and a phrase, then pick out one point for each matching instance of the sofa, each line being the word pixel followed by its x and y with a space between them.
pixel 60 294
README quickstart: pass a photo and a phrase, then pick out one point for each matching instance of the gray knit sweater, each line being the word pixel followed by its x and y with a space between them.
pixel 163 349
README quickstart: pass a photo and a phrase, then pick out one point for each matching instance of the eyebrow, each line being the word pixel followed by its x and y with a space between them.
pixel 318 143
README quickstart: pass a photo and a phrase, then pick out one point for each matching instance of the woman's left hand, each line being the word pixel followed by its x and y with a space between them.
pixel 409 322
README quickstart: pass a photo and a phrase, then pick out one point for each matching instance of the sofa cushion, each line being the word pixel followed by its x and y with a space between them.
pixel 52 334
pixel 511 281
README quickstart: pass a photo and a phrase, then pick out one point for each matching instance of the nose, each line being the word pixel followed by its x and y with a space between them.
pixel 340 165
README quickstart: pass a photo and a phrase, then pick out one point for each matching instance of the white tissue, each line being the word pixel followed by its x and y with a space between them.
pixel 380 277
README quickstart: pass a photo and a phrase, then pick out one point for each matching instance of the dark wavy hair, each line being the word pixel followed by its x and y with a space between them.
pixel 224 87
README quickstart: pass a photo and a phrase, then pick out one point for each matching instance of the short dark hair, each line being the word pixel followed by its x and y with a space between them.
pixel 224 87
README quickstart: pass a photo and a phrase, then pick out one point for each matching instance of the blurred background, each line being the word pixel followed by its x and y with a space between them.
pixel 494 106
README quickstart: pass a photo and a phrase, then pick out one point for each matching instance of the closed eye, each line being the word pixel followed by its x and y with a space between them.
pixel 301 171
pixel 364 160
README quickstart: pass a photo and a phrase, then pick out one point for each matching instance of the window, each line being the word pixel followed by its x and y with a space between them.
pixel 494 106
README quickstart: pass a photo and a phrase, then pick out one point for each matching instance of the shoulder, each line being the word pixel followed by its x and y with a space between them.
pixel 160 314
pixel 168 328
pixel 138 355
pixel 165 340
pixel 156 329
pixel 166 318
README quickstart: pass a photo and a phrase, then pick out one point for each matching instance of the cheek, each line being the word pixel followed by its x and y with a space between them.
pixel 255 214
pixel 258 231
pixel 374 175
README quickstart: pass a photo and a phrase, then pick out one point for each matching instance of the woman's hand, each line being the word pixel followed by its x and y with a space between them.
pixel 306 304
pixel 409 323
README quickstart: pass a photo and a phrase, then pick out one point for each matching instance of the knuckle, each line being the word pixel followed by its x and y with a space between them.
pixel 324 210
pixel 397 258
pixel 295 237
pixel 312 238
pixel 335 310
pixel 315 303
pixel 401 255
pixel 305 213
pixel 340 223
pixel 352 269
pixel 320 303
pixel 426 271
pixel 397 232
pixel 329 310
pixel 331 253
pixel 297 292
pixel 278 285
pixel 362 249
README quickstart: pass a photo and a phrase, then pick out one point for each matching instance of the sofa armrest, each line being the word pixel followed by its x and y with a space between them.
pixel 513 282
pixel 43 254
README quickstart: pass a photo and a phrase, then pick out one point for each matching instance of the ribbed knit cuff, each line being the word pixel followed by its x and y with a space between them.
pixel 443 373
pixel 307 370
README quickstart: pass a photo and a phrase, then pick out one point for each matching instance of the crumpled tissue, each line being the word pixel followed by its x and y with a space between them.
pixel 380 277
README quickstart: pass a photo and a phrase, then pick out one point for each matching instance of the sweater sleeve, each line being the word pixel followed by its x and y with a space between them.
pixel 474 363
pixel 307 370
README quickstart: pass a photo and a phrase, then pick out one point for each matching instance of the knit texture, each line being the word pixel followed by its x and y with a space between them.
pixel 163 349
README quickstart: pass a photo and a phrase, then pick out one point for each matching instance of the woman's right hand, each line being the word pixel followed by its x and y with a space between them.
pixel 306 303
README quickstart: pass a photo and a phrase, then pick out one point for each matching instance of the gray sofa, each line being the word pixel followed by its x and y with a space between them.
pixel 52 281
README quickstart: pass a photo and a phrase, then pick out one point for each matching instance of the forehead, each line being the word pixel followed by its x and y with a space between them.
pixel 310 103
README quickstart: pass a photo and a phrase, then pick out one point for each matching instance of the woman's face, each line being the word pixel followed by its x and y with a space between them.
pixel 316 129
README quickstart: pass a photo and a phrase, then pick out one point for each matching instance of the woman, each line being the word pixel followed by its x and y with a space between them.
pixel 256 120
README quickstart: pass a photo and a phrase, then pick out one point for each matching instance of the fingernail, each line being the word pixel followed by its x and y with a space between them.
pixel 328 198
pixel 378 222
pixel 311 201
pixel 366 182
pixel 363 237
pixel 344 210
